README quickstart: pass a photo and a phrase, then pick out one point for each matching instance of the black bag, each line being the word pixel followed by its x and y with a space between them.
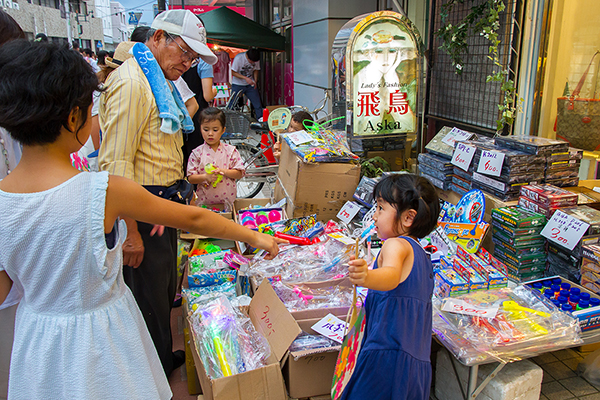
pixel 181 192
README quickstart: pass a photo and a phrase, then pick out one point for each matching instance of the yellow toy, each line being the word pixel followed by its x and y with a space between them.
pixel 210 169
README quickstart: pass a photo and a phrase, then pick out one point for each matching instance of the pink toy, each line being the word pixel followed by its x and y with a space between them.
pixel 274 216
pixel 261 219
pixel 247 214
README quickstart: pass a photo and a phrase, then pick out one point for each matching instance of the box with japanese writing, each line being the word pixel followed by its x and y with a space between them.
pixel 517 217
pixel 536 207
pixel 549 195
pixel 586 214
pixel 450 281
pixel 511 231
pixel 533 144
pixel 518 241
pixel 588 314
pixel 271 319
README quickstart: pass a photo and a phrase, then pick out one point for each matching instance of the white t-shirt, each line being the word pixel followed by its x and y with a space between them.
pixel 184 89
pixel 245 67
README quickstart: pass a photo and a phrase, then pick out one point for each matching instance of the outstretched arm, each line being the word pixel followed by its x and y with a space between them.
pixel 389 273
pixel 127 198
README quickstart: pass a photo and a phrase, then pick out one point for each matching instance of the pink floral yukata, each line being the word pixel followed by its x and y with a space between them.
pixel 226 157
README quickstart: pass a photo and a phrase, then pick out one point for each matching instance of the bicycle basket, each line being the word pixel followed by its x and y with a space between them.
pixel 237 124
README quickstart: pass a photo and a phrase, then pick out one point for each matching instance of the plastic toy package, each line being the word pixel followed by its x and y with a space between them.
pixel 326 146
pixel 312 263
pixel 525 325
pixel 533 144
pixel 196 297
pixel 311 342
pixel 304 297
pixel 226 340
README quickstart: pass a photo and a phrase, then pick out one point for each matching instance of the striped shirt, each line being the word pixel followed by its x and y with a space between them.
pixel 133 145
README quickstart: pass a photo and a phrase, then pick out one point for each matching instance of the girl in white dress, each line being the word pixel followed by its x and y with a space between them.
pixel 79 333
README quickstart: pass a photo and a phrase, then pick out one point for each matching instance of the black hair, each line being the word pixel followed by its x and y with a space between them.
pixel 102 57
pixel 212 114
pixel 40 37
pixel 253 54
pixel 88 52
pixel 40 84
pixel 9 29
pixel 140 34
pixel 406 192
pixel 75 44
pixel 303 117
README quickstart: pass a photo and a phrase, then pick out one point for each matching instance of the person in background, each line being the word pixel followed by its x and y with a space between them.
pixel 102 54
pixel 298 122
pixel 141 145
pixel 90 57
pixel 79 333
pixel 10 155
pixel 394 359
pixel 244 71
pixel 224 157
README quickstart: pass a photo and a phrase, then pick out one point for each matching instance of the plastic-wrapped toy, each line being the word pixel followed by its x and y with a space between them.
pixel 307 297
pixel 210 169
pixel 227 341
pixel 311 342
pixel 522 323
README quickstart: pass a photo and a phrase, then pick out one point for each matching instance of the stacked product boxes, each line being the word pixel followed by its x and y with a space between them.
pixel 518 242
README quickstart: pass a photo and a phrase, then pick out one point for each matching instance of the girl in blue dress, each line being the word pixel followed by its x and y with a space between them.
pixel 394 360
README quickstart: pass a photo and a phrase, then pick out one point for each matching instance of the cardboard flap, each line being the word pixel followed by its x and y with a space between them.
pixel 273 320
pixel 302 353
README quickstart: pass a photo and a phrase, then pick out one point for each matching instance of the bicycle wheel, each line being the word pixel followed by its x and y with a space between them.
pixel 249 186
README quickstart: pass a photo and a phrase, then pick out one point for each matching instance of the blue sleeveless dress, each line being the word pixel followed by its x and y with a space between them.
pixel 394 361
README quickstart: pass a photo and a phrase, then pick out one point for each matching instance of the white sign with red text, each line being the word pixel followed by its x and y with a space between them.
pixel 455 135
pixel 462 156
pixel 459 306
pixel 348 211
pixel 565 230
pixel 490 163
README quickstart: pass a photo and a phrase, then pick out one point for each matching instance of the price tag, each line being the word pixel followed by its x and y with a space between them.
pixel 332 327
pixel 348 211
pixel 564 230
pixel 456 135
pixel 299 137
pixel 461 307
pixel 490 163
pixel 463 154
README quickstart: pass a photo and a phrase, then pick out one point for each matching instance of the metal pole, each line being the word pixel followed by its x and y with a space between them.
pixel 68 15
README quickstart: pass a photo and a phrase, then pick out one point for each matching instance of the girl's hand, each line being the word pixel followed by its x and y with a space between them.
pixel 210 178
pixel 358 272
pixel 267 243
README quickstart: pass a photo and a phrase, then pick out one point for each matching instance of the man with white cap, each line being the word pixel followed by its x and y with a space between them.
pixel 142 118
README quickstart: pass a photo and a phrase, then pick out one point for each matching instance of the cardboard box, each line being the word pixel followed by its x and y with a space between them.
pixel 240 204
pixel 190 367
pixel 319 188
pixel 310 372
pixel 270 318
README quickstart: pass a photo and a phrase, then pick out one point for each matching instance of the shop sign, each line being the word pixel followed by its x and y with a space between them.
pixel 332 327
pixel 462 156
pixel 490 163
pixel 348 211
pixel 564 230
pixel 384 65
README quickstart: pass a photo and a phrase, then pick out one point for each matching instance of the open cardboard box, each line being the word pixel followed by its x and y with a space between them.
pixel 240 204
pixel 225 214
pixel 270 318
pixel 315 188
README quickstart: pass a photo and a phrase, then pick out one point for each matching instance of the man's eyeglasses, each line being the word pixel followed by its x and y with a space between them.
pixel 185 55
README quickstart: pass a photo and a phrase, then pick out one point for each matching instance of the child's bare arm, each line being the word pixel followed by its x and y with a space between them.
pixel 201 178
pixel 388 274
pixel 5 285
pixel 127 198
pixel 232 173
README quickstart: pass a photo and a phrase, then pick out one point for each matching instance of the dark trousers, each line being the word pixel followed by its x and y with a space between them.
pixel 253 96
pixel 154 284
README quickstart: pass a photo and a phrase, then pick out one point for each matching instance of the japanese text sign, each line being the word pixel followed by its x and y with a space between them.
pixel 462 156
pixel 331 327
pixel 299 137
pixel 491 162
pixel 459 306
pixel 348 211
pixel 564 230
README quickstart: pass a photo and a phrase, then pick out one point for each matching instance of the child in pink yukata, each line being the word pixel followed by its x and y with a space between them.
pixel 223 156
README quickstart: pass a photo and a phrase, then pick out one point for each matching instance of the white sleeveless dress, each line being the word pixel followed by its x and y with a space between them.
pixel 79 333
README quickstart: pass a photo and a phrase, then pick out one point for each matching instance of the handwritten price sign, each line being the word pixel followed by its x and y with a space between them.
pixel 490 163
pixel 564 230
pixel 462 156
pixel 456 134
pixel 332 327
pixel 462 307
pixel 348 211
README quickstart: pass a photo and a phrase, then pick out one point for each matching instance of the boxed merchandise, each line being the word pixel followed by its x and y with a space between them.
pixel 519 251
pixel 519 241
pixel 509 230
pixel 438 183
pixel 433 161
pixel 443 175
pixel 536 207
pixel 586 196
pixel 275 323
pixel 517 217
pixel 442 144
pixel 452 279
pixel 549 195
pixel 364 191
pixel 533 144
pixel 321 188
pixel 586 214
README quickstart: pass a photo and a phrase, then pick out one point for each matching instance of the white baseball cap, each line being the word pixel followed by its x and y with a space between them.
pixel 185 24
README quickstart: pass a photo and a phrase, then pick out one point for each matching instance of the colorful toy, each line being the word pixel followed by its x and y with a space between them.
pixel 296 240
pixel 274 216
pixel 210 169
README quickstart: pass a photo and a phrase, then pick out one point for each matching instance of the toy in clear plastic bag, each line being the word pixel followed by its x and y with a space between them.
pixel 524 325
pixel 311 342
pixel 227 341
pixel 317 262
pixel 307 297
pixel 325 146
pixel 196 297
pixel 207 263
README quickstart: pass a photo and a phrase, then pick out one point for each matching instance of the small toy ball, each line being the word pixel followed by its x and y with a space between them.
pixel 247 214
pixel 250 225
pixel 262 213
pixel 247 219
pixel 261 220
pixel 248 222
pixel 274 216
